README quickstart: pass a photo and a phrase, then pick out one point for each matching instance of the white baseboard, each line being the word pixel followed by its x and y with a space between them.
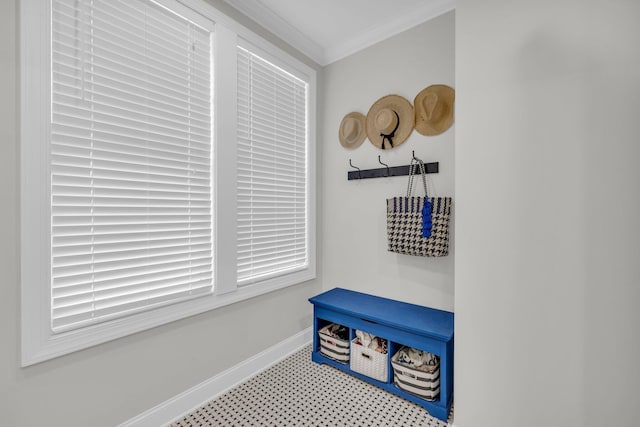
pixel 189 400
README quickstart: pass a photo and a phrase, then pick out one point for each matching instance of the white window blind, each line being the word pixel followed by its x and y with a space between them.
pixel 131 145
pixel 272 170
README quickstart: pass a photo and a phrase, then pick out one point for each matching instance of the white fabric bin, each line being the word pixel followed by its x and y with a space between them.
pixel 369 362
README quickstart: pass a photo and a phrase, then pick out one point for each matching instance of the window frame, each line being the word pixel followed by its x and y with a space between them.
pixel 39 343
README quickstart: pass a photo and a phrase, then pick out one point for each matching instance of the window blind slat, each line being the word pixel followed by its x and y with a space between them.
pixel 67 195
pixel 131 256
pixel 107 295
pixel 93 312
pixel 127 187
pixel 146 245
pixel 178 149
pixel 270 151
pixel 124 171
pixel 68 135
pixel 274 261
pixel 74 226
pixel 129 60
pixel 104 120
pixel 69 152
pixel 67 82
pixel 111 106
pixel 79 288
pixel 283 249
pixel 114 270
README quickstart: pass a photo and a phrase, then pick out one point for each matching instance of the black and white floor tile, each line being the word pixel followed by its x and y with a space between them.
pixel 298 392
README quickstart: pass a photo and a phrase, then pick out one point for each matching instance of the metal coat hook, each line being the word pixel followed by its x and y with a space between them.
pixel 383 164
pixel 355 167
pixel 413 154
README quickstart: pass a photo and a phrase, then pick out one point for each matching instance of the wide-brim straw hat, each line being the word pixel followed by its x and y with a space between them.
pixel 352 132
pixel 390 121
pixel 434 109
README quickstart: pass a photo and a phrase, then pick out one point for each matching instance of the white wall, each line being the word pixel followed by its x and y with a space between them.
pixel 546 254
pixel 110 383
pixel 548 201
pixel 353 213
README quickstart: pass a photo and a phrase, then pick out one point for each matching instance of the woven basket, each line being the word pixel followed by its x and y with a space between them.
pixel 415 381
pixel 369 362
pixel 333 347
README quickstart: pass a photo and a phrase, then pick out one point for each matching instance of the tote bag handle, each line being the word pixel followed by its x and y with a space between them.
pixel 419 165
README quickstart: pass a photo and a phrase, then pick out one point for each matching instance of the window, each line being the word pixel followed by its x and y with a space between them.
pixel 272 169
pixel 131 200
pixel 131 194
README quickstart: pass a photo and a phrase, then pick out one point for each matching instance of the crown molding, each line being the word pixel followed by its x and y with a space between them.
pixel 430 10
pixel 255 10
pixel 268 19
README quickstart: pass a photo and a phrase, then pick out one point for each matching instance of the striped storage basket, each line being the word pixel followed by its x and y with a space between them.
pixel 333 347
pixel 425 384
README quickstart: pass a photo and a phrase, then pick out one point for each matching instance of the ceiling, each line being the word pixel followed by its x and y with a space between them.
pixel 329 30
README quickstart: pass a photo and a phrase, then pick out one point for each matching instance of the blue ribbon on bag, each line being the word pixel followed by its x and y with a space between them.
pixel 426 218
pixel 427 208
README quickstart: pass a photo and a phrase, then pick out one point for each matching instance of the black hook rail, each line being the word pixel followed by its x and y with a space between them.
pixel 387 171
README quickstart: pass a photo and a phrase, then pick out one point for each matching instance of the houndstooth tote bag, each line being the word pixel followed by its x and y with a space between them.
pixel 410 228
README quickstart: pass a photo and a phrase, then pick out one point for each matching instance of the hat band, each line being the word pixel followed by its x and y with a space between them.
pixel 389 136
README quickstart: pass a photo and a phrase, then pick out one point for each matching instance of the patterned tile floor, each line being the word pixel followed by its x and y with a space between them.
pixel 298 392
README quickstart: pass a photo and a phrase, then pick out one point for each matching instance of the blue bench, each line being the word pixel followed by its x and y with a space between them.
pixel 400 324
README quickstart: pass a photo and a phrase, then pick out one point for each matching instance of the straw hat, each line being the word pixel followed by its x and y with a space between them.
pixel 352 133
pixel 389 121
pixel 434 109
